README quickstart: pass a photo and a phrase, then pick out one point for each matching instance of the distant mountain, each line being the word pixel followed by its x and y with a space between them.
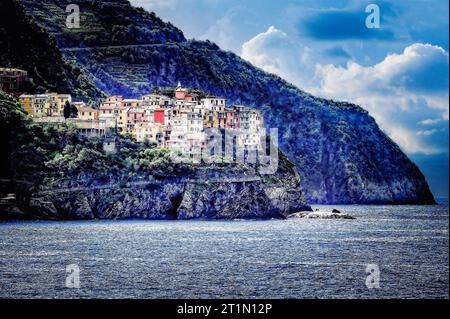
pixel 342 155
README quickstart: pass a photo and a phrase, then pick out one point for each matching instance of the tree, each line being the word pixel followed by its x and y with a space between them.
pixel 74 111
pixel 67 110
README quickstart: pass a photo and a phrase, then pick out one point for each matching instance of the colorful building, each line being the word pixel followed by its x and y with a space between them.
pixel 112 101
pixel 45 105
pixel 85 113
pixel 159 116
pixel 27 101
pixel 122 119
pixel 131 103
pixel 155 101
pixel 180 92
pixel 176 123
pixel 153 132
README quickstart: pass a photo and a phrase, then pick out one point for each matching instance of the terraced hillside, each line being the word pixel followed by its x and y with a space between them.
pixel 339 149
pixel 102 23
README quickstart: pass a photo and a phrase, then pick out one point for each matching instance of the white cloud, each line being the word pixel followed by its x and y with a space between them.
pixel 430 121
pixel 274 52
pixel 409 142
pixel 402 92
pixel 398 92
pixel 155 5
pixel 426 132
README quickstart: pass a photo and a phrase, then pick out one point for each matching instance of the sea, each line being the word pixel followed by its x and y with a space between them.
pixel 386 252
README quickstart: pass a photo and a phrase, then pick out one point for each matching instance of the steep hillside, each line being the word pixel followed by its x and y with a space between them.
pixel 25 45
pixel 340 151
pixel 102 23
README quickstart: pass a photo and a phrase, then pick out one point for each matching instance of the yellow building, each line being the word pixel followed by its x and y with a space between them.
pixel 131 103
pixel 45 105
pixel 122 119
pixel 60 100
pixel 87 113
pixel 26 101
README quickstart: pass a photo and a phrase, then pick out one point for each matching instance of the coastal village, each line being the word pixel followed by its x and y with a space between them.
pixel 174 121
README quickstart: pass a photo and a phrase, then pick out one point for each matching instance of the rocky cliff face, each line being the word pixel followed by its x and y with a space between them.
pixel 342 155
pixel 207 193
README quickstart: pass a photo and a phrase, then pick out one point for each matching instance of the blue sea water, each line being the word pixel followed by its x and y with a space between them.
pixel 296 258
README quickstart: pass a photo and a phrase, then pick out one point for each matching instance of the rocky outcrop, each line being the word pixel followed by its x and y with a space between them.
pixel 321 215
pixel 208 193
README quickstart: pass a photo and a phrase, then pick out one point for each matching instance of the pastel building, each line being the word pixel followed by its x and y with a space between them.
pixel 180 92
pixel 112 101
pixel 153 132
pixel 251 125
pixel 86 113
pixel 45 105
pixel 131 103
pixel 122 119
pixel 27 101
pixel 135 116
pixel 213 103
pixel 155 101
pixel 90 128
pixel 177 123
pixel 79 105
pixel 108 109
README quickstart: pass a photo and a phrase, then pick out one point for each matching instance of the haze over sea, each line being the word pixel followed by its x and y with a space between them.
pixel 296 258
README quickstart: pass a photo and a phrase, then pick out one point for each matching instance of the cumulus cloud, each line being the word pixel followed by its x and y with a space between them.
pixel 403 92
pixel 274 52
pixel 398 92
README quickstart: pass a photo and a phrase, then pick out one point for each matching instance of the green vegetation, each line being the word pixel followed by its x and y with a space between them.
pixel 103 23
pixel 42 155
pixel 25 45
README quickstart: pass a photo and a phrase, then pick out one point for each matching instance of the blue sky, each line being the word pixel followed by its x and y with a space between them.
pixel 399 72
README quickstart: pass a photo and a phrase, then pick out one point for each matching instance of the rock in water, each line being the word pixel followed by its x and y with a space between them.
pixel 321 215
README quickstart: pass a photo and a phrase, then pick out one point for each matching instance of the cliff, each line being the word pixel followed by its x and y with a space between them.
pixel 341 153
pixel 211 193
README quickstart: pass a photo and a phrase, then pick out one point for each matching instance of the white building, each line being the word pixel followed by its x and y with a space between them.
pixel 155 101
pixel 214 103
pixel 153 132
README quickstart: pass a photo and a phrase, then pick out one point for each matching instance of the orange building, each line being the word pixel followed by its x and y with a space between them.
pixel 27 101
pixel 180 93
